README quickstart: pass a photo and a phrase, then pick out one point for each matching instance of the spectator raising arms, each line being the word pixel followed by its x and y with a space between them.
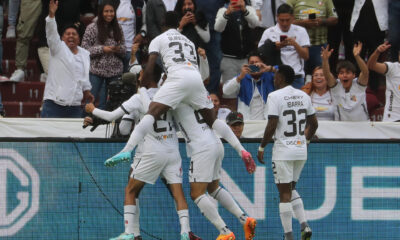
pixel 68 80
pixel 193 23
pixel 104 40
pixel 348 92
pixel 252 87
pixel 392 73
pixel 321 97
pixel 291 40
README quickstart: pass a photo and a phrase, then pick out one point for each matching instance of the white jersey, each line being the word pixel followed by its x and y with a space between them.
pixel 163 135
pixel 351 105
pixel 197 133
pixel 291 106
pixel 289 55
pixel 177 52
pixel 323 105
pixel 392 106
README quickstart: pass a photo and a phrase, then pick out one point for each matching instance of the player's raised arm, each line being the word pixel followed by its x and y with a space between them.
pixel 268 133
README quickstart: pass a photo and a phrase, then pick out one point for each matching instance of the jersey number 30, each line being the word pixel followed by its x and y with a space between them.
pixel 292 122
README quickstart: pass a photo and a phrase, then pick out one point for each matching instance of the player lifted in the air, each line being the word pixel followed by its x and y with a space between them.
pixel 183 84
pixel 157 155
pixel 207 152
pixel 291 118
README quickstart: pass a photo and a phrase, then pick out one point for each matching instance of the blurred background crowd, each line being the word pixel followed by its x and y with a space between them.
pixel 345 54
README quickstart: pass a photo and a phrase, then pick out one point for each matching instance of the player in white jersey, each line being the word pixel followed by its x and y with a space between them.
pixel 150 161
pixel 183 84
pixel 292 119
pixel 392 72
pixel 206 152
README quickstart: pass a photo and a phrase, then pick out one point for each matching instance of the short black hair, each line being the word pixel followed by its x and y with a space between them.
pixel 347 65
pixel 254 53
pixel 284 8
pixel 287 72
pixel 171 20
pixel 68 26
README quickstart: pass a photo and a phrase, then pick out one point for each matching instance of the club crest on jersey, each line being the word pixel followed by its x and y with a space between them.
pixel 353 98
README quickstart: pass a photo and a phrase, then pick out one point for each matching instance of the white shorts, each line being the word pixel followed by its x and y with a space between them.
pixel 149 166
pixel 287 171
pixel 185 86
pixel 206 166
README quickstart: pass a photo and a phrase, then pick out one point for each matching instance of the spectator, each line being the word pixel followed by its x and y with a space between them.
pixel 68 80
pixel 321 97
pixel 235 21
pixel 2 78
pixel 155 15
pixel 221 112
pixel 252 87
pixel 28 17
pixel 67 14
pixel 316 17
pixel 104 40
pixel 340 33
pixel 13 9
pixel 292 40
pixel 369 21
pixel 348 92
pixel 394 29
pixel 126 19
pixel 392 73
pixel 266 9
pixel 235 122
pixel 213 47
pixel 193 23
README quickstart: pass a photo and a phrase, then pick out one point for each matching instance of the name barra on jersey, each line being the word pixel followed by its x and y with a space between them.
pixel 174 37
pixel 291 101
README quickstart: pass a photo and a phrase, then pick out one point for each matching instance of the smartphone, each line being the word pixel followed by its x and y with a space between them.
pixel 312 16
pixel 234 3
pixel 254 68
pixel 283 38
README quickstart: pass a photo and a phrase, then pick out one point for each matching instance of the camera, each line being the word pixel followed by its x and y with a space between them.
pixel 254 68
pixel 312 16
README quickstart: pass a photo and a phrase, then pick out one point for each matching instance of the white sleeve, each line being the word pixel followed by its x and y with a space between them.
pixel 390 69
pixel 204 68
pixel 231 87
pixel 251 17
pixel 154 46
pixel 220 20
pixel 304 39
pixel 125 126
pixel 335 91
pixel 53 39
pixel 132 104
pixel 109 116
pixel 203 33
pixel 310 108
pixel 256 4
pixel 272 107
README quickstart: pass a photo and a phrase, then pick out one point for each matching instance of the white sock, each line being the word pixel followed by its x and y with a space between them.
pixel 136 222
pixel 226 200
pixel 298 208
pixel 226 133
pixel 211 213
pixel 184 220
pixel 140 131
pixel 129 216
pixel 285 211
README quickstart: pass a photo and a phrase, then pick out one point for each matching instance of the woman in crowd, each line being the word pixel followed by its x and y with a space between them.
pixel 320 95
pixel 193 23
pixel 105 41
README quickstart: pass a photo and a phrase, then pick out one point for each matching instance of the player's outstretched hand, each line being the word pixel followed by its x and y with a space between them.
pixel 249 162
pixel 260 156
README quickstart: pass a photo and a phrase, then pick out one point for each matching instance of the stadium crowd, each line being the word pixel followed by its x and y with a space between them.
pixel 240 42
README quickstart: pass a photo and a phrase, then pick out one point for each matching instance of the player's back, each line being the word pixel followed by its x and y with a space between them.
pixel 291 106
pixel 197 133
pixel 162 136
pixel 177 52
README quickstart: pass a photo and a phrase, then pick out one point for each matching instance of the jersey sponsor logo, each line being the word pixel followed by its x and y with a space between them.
pixel 297 143
pixel 27 181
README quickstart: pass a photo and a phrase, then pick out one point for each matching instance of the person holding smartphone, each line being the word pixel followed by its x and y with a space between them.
pixel 252 86
pixel 291 40
pixel 316 17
